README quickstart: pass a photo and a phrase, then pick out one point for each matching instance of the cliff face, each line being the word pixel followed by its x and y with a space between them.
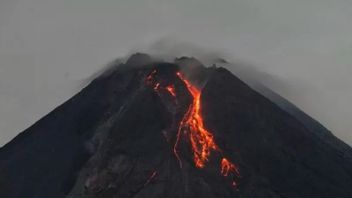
pixel 156 129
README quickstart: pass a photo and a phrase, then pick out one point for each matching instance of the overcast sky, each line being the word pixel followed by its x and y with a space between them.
pixel 49 47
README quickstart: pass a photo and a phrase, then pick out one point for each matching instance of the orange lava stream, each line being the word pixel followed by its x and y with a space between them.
pixel 171 90
pixel 202 141
pixel 192 124
pixel 227 167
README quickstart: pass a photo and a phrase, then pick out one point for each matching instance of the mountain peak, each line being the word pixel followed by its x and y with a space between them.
pixel 173 129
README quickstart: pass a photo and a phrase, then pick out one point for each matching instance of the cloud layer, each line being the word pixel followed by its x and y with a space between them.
pixel 302 48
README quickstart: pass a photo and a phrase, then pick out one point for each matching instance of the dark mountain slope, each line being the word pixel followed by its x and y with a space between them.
pixel 137 131
pixel 272 144
pixel 42 160
pixel 311 124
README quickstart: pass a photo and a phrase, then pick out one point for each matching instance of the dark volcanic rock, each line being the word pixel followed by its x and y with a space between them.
pixel 116 139
pixel 273 147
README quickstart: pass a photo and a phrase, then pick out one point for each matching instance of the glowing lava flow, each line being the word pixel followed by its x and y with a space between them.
pixel 227 167
pixel 202 141
pixel 171 90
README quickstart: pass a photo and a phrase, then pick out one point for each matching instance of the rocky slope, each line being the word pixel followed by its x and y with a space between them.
pixel 149 128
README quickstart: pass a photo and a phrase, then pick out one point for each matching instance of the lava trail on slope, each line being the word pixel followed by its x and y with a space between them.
pixel 117 137
pixel 192 127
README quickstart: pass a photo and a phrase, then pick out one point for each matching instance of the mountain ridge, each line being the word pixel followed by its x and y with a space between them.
pixel 117 138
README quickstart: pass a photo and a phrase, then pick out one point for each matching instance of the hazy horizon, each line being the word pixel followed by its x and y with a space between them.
pixel 300 49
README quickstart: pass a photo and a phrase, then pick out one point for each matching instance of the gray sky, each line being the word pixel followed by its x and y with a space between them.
pixel 49 47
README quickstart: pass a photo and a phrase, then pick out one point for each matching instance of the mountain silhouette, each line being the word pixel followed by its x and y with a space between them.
pixel 150 128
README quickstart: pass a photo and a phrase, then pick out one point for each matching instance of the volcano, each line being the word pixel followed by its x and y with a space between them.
pixel 148 128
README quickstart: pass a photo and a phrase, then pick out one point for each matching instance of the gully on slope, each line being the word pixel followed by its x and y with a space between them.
pixel 192 126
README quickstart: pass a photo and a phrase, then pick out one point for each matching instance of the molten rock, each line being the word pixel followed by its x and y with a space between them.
pixel 155 129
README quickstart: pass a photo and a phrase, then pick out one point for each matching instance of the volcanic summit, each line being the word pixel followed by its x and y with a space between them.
pixel 149 128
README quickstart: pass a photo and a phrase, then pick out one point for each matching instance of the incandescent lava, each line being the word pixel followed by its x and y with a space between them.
pixel 192 127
